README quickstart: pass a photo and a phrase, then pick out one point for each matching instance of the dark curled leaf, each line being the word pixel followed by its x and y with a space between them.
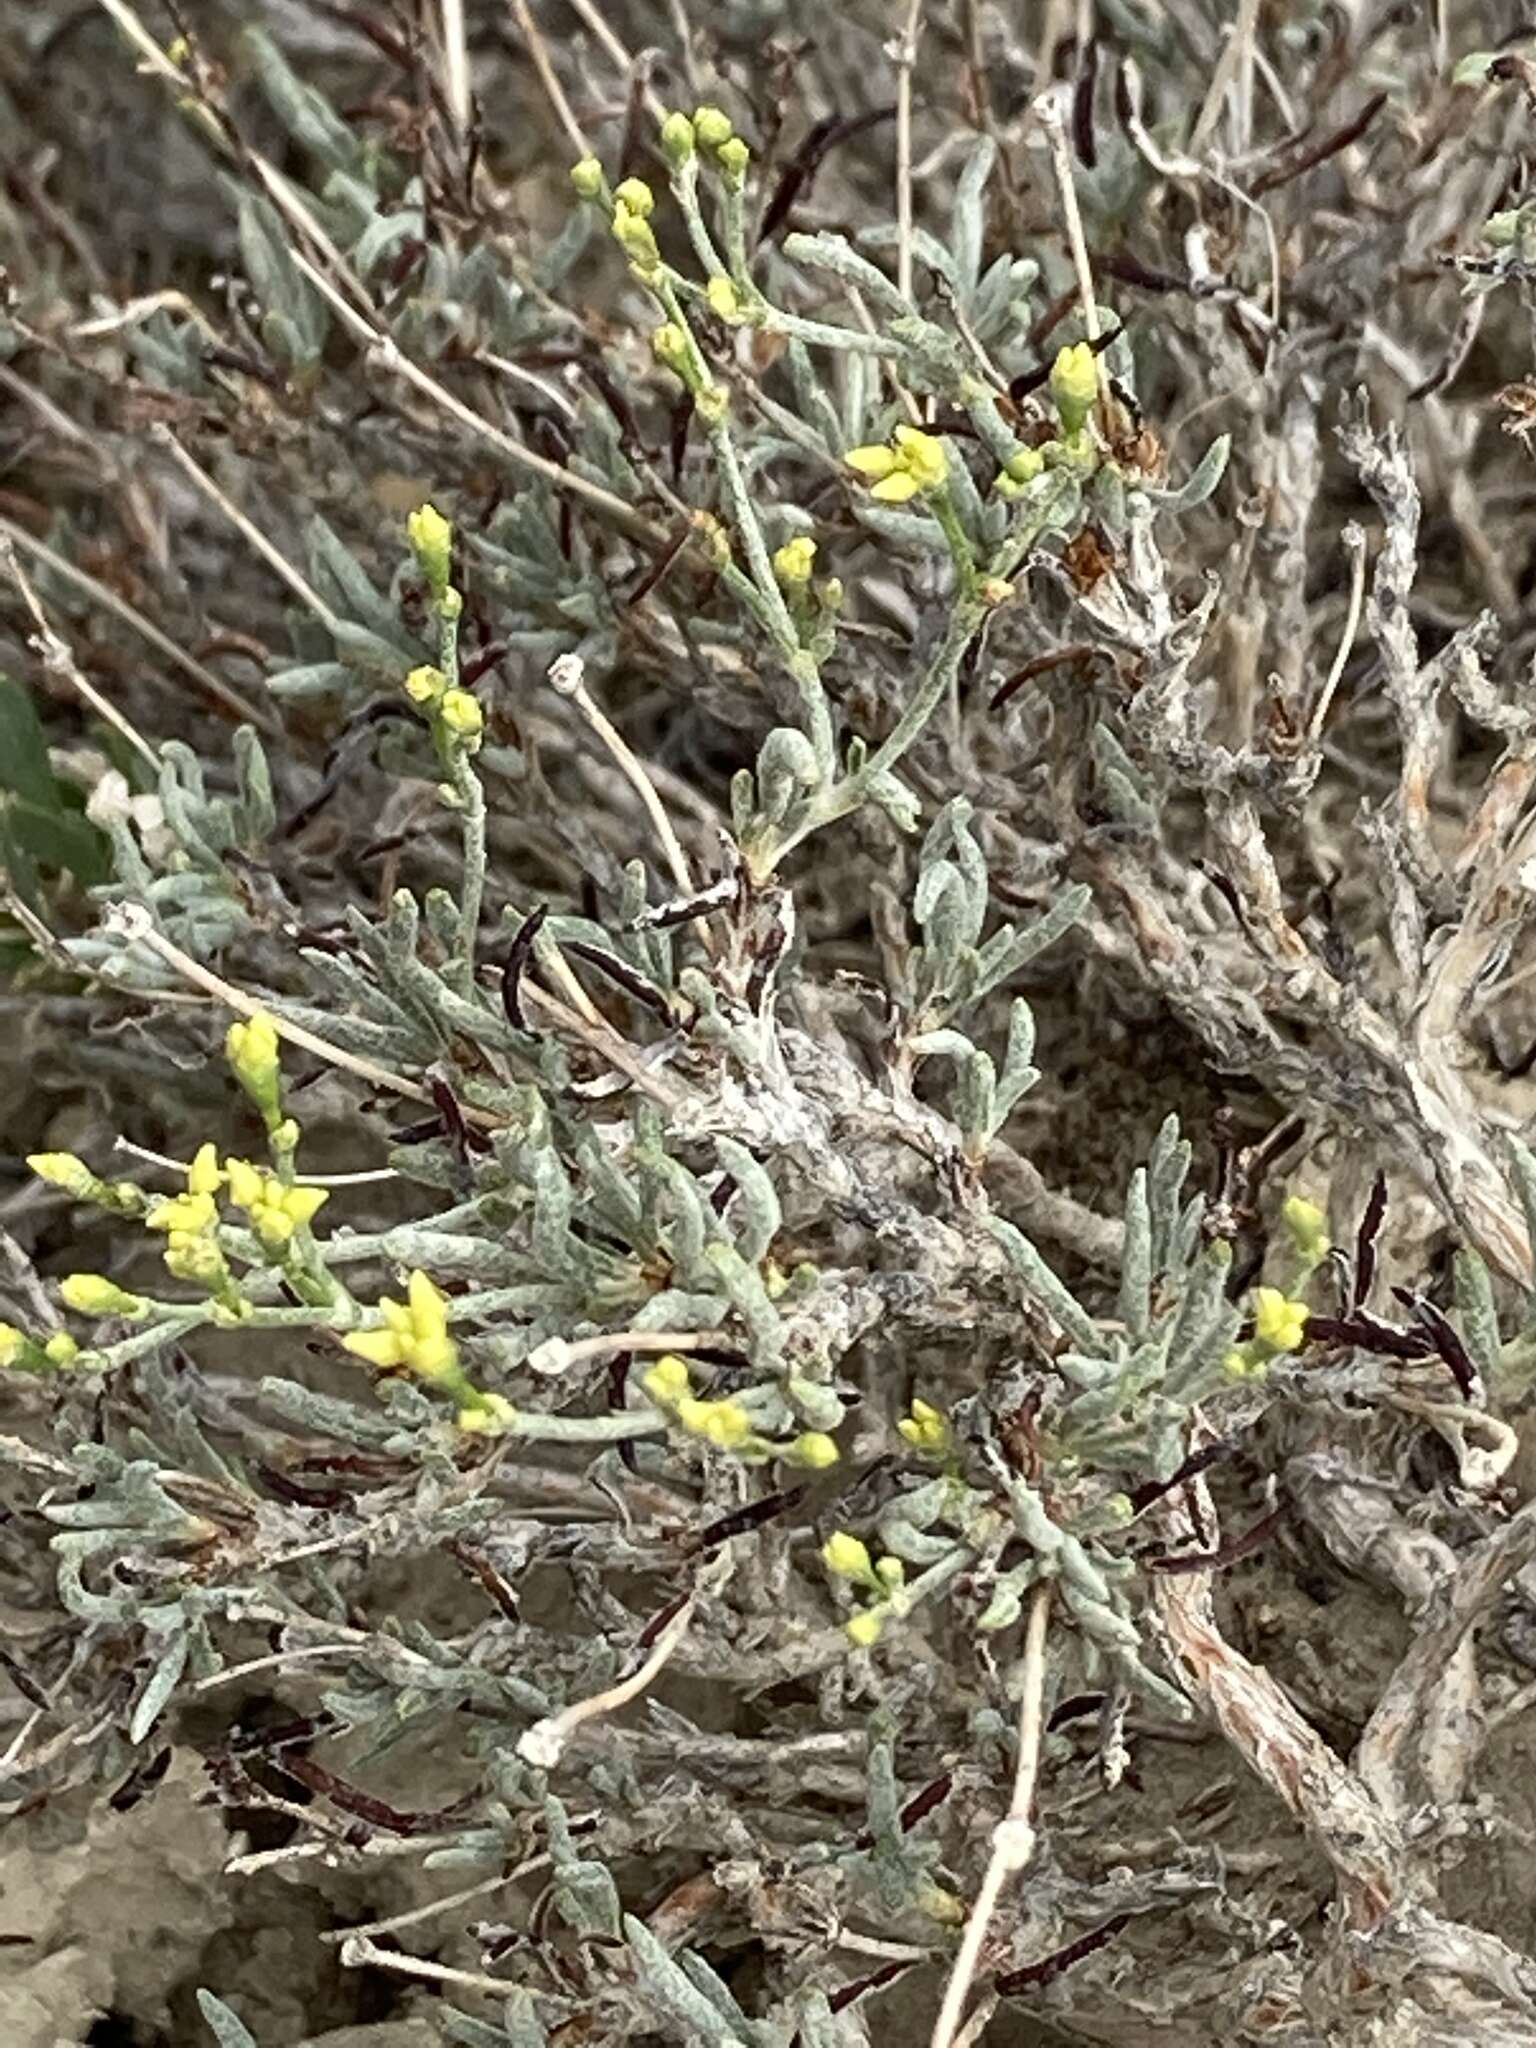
pixel 24 1683
pixel 1197 1462
pixel 1240 1547
pixel 1034 1975
pixel 921 1804
pixel 518 956
pixel 1082 106
pixel 376 1812
pixel 1443 1338
pixel 461 1135
pixel 1330 145
pixel 753 1516
pixel 1365 1242
pixel 140 1782
pixel 624 976
pixel 1077 1708
pixel 659 1620
pixel 796 178
pixel 677 440
pixel 849 1994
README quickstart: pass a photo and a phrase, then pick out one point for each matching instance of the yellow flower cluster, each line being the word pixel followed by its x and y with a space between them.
pixel 847 1557
pixel 276 1209
pixel 456 711
pixel 1277 1321
pixel 415 1334
pixel 795 562
pixel 725 1423
pixel 910 462
pixel 925 1429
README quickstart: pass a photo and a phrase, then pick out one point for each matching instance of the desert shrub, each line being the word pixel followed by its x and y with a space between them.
pixel 767 947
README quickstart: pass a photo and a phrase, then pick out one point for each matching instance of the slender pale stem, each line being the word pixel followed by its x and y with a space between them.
pixel 906 57
pixel 1013 1841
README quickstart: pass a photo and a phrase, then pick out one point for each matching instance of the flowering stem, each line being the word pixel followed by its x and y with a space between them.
pixel 471 795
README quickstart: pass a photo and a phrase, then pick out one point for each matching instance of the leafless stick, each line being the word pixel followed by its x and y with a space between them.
pixel 60 565
pixel 554 91
pixel 1047 110
pixel 272 556
pixel 392 358
pixel 1353 538
pixel 568 675
pixel 544 1743
pixel 456 65
pixel 591 14
pixel 1013 1840
pixel 906 56
pixel 57 659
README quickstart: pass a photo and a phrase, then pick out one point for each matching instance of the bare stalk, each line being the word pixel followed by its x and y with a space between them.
pixel 906 57
pixel 1013 1840
pixel 554 91
pixel 544 1743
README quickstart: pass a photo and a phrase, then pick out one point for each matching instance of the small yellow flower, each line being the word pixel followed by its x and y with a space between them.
pixel 90 1294
pixel 795 562
pixel 814 1450
pixel 415 1334
pixel 461 715
pixel 184 1215
pixel 64 1170
pixel 723 299
pixel 865 1629
pixel 925 1429
pixel 846 1557
pixel 587 177
pixel 13 1343
pixel 912 462
pixel 251 1046
pixel 191 1256
pixel 431 538
pixel 712 127
pixel 725 1424
pixel 1277 1322
pixel 61 1349
pixel 667 1381
pixel 635 194
pixel 891 1573
pixel 923 455
pixel 1075 384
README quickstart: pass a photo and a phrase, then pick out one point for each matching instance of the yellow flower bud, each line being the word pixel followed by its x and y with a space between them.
pixel 667 1380
pixel 251 1047
pixel 90 1294
pixel 865 1629
pixel 633 235
pixel 891 1573
pixel 669 345
pixel 723 299
pixel 1075 384
pixel 677 139
pixel 1308 1226
pixel 734 157
pixel 461 715
pixel 1024 465
pixel 725 1424
pixel 795 562
pixel 64 1170
pixel 13 1343
pixel 487 1415
pixel 203 1175
pixel 635 194
pixel 846 1557
pixel 426 684
pixel 815 1451
pixel 61 1349
pixel 712 127
pixel 587 177
pixel 431 538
